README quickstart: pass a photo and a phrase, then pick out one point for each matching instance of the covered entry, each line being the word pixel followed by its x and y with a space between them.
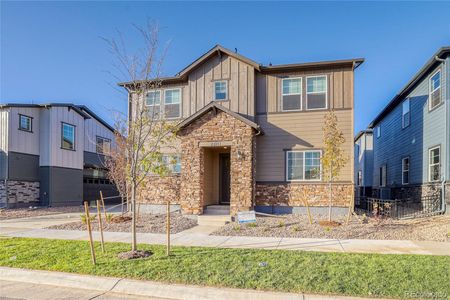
pixel 217 160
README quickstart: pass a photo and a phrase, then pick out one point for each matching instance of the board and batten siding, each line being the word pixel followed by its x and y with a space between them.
pixel 24 141
pixel 4 127
pixel 92 130
pixel 297 131
pixel 339 94
pixel 364 159
pixel 427 129
pixel 51 152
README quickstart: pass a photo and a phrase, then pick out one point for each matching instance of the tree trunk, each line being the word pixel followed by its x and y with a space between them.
pixel 133 218
pixel 330 196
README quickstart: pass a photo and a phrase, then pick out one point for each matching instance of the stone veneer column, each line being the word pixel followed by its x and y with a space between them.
pixel 217 127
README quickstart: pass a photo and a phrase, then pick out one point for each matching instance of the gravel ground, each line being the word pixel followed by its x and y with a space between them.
pixel 147 223
pixel 425 229
pixel 40 211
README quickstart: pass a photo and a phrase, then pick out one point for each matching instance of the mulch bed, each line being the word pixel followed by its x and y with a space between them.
pixel 146 223
pixel 435 228
pixel 17 213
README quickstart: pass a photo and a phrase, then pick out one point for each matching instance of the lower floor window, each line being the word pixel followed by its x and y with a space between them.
pixel 434 164
pixel 405 170
pixel 303 165
pixel 172 162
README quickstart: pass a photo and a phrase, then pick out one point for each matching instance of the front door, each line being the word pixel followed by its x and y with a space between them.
pixel 224 178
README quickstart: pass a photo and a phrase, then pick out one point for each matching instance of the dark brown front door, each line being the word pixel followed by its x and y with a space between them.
pixel 224 178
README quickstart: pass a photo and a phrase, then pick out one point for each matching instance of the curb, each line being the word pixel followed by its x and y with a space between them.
pixel 148 288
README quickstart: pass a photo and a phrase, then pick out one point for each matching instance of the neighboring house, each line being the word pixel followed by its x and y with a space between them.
pixel 52 154
pixel 364 163
pixel 411 135
pixel 251 135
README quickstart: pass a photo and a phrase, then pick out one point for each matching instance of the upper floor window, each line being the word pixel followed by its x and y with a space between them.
pixel 67 136
pixel 316 92
pixel 221 90
pixel 435 90
pixel 383 175
pixel 378 130
pixel 25 123
pixel 172 103
pixel 303 165
pixel 153 102
pixel 291 94
pixel 172 162
pixel 103 145
pixel 405 170
pixel 406 115
pixel 434 164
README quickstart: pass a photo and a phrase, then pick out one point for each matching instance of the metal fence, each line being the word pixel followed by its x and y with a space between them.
pixel 399 208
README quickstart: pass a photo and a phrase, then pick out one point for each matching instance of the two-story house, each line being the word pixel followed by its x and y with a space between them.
pixel 250 136
pixel 52 154
pixel 411 136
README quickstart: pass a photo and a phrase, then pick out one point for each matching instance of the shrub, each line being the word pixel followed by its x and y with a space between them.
pixel 83 218
pixel 237 227
pixel 253 225
pixel 281 224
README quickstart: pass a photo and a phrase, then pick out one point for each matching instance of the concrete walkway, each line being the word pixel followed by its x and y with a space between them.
pixel 97 286
pixel 199 236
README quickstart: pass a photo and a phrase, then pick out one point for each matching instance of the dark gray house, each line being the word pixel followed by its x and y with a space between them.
pixel 52 154
pixel 411 135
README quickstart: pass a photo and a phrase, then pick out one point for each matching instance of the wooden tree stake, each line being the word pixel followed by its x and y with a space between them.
pixel 103 204
pixel 168 228
pixel 100 225
pixel 88 223
pixel 308 211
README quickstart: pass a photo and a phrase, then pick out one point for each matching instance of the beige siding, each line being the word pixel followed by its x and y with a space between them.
pixel 53 155
pixel 299 131
pixel 23 141
pixel 340 89
pixel 92 129
pixel 4 116
pixel 241 87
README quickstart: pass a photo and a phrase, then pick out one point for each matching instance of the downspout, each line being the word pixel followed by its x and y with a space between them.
pixel 444 178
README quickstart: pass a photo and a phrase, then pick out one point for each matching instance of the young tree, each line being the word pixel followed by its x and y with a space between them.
pixel 334 157
pixel 146 131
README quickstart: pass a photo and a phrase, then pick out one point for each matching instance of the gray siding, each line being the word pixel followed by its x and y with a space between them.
pixel 23 167
pixel 61 186
pixel 92 129
pixel 427 129
pixel 364 159
pixel 24 141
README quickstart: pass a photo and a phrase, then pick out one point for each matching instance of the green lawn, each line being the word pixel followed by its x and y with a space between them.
pixel 289 271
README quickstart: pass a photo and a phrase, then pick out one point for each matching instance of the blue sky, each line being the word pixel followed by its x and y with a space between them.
pixel 52 51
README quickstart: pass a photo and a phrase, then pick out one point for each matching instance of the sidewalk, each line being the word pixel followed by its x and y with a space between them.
pixel 122 286
pixel 199 236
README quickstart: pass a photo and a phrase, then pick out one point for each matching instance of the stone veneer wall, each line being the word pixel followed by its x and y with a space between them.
pixel 217 126
pixel 156 190
pixel 19 193
pixel 295 194
pixel 413 191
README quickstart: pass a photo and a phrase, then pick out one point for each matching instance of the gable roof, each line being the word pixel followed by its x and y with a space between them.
pixel 213 106
pixel 182 76
pixel 428 67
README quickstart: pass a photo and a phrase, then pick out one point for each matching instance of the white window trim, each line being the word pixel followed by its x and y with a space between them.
pixel 302 180
pixel 403 170
pixel 432 91
pixel 326 92
pixel 164 98
pixel 383 183
pixel 226 92
pixel 152 105
pixel 430 165
pixel 290 94
pixel 403 113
